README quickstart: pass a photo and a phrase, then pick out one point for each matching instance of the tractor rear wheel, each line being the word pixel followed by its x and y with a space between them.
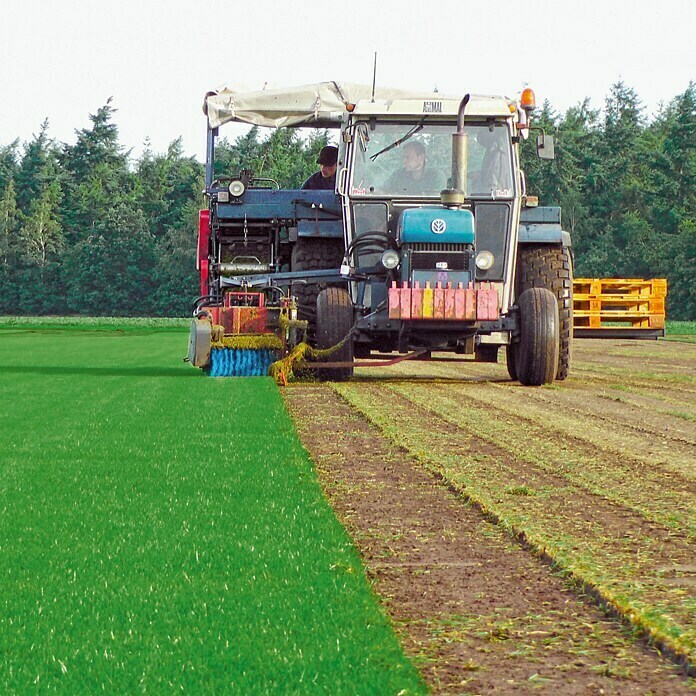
pixel 334 323
pixel 536 354
pixel 312 254
pixel 544 266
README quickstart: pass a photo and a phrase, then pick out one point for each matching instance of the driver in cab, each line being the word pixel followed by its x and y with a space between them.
pixel 414 178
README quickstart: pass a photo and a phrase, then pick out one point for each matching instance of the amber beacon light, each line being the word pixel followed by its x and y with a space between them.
pixel 527 99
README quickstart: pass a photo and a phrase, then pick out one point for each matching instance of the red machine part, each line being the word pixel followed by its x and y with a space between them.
pixel 203 238
pixel 443 303
pixel 241 313
pixel 244 313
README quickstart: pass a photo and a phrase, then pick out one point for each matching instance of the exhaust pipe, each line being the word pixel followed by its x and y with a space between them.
pixel 459 150
pixel 454 197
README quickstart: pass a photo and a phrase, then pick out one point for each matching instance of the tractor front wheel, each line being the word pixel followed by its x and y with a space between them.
pixel 334 324
pixel 536 354
pixel 551 267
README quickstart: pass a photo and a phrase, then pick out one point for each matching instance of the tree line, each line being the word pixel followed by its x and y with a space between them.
pixel 627 188
pixel 86 229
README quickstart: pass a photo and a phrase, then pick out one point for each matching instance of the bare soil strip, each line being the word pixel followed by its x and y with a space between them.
pixel 668 427
pixel 661 370
pixel 603 544
pixel 673 361
pixel 641 463
pixel 475 610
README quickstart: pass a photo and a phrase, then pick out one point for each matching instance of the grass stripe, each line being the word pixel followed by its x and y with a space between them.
pixel 160 530
pixel 95 323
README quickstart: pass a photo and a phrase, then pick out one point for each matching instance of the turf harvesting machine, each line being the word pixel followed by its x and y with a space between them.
pixel 428 243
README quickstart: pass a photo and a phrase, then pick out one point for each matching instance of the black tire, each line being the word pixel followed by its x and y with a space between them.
pixel 486 352
pixel 334 322
pixel 536 354
pixel 550 267
pixel 510 359
pixel 311 254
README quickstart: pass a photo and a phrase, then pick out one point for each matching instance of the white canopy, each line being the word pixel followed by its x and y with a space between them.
pixel 324 104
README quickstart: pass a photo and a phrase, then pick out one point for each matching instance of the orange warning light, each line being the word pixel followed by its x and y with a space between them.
pixel 527 99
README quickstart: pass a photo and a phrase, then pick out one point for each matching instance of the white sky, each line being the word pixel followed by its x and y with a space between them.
pixel 62 59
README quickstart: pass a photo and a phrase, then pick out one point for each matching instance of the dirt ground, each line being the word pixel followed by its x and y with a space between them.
pixel 451 480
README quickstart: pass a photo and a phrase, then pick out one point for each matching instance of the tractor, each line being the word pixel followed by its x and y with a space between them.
pixel 393 263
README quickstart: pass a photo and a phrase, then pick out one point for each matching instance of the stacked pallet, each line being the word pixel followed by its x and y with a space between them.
pixel 619 307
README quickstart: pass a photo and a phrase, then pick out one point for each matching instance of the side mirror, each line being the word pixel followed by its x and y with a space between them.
pixel 545 148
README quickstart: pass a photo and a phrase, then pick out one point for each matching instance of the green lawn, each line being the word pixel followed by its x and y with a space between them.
pixel 681 331
pixel 162 531
pixel 119 324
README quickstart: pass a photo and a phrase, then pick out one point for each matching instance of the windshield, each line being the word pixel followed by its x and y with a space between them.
pixel 403 160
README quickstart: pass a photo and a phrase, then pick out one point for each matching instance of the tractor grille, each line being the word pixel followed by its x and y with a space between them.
pixel 492 233
pixel 428 256
pixel 428 246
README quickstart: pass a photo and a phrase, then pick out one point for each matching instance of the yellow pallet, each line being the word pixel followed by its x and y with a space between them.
pixel 655 287
pixel 619 307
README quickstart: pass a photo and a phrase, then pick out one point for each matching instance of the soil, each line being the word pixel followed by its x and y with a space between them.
pixel 476 609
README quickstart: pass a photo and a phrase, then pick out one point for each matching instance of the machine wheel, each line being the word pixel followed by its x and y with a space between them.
pixel 511 359
pixel 542 266
pixel 334 322
pixel 536 354
pixel 486 352
pixel 311 254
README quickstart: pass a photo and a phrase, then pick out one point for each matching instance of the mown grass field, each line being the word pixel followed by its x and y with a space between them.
pixel 681 331
pixel 162 531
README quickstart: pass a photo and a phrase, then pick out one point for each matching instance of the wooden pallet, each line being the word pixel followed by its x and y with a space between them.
pixel 619 307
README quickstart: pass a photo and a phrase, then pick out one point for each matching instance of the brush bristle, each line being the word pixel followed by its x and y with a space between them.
pixel 233 362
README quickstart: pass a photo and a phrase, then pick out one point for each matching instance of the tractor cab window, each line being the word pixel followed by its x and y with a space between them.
pixel 489 161
pixel 406 160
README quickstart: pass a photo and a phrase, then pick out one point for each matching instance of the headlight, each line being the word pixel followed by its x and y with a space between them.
pixel 236 188
pixel 390 259
pixel 484 260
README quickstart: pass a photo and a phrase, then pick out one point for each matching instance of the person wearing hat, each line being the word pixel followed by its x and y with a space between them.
pixel 325 178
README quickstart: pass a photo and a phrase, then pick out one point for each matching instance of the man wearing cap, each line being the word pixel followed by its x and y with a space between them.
pixel 325 178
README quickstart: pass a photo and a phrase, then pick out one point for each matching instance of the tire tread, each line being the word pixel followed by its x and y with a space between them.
pixel 543 266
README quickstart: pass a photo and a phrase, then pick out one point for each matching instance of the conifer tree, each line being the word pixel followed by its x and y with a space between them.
pixel 41 234
pixel 30 178
pixel 109 271
pixel 167 184
pixel 8 247
pixel 8 223
pixel 97 174
pixel 8 163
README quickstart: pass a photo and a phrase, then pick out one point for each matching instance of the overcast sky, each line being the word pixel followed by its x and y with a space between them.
pixel 62 59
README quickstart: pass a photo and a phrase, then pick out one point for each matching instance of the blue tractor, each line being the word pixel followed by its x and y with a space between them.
pixel 428 243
